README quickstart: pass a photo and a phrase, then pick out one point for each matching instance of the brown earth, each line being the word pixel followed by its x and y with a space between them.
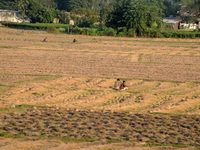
pixel 32 144
pixel 106 125
pixel 157 59
pixel 163 77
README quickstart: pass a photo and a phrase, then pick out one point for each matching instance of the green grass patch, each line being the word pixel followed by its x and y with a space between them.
pixel 19 108
pixel 107 31
pixel 173 145
pixel 35 25
pixel 193 84
pixel 8 135
pixel 37 94
pixel 193 108
pixel 133 92
pixel 65 140
pixel 140 57
pixel 16 108
pixel 117 99
pixel 6 46
pixel 40 77
pixel 4 88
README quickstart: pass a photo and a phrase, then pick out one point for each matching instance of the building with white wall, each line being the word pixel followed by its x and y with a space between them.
pixel 12 16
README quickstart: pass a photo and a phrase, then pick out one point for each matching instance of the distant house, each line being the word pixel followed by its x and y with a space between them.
pixel 71 22
pixel 188 26
pixel 12 16
pixel 198 22
pixel 174 21
pixel 56 20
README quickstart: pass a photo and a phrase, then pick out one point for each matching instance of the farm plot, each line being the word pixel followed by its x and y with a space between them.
pixel 184 130
pixel 163 76
pixel 97 93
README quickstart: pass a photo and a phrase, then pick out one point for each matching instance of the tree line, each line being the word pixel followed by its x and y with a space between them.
pixel 124 15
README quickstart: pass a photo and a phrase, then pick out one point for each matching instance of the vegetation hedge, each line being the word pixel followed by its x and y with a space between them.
pixel 94 32
pixel 122 32
pixel 35 25
pixel 104 31
pixel 181 34
pixel 53 30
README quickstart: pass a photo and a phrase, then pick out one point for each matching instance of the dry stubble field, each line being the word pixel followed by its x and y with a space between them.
pixel 71 84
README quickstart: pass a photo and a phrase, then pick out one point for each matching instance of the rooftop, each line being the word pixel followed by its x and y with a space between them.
pixel 171 20
pixel 1 10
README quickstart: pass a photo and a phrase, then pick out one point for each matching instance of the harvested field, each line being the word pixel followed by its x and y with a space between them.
pixel 156 59
pixel 97 93
pixel 117 126
pixel 62 78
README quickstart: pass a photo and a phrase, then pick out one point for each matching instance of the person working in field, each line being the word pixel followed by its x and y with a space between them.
pixel 75 41
pixel 45 40
pixel 117 84
pixel 123 86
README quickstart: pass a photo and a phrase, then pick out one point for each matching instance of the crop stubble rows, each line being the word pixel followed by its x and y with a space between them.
pixel 100 57
pixel 153 59
pixel 28 75
pixel 98 93
pixel 96 125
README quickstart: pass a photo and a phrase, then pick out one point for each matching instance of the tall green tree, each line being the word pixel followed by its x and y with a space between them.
pixel 172 7
pixel 106 7
pixel 75 4
pixel 88 4
pixel 64 18
pixel 135 14
pixel 63 5
pixel 22 5
pixel 7 4
pixel 81 15
pixel 104 12
pixel 47 15
pixel 47 3
pixel 34 11
pixel 190 10
pixel 38 13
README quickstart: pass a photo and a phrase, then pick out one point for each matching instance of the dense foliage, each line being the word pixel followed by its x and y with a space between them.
pixel 126 17
pixel 35 25
pixel 136 14
pixel 105 31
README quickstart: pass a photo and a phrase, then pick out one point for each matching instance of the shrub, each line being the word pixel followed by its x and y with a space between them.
pixel 95 32
pixel 85 31
pixel 77 30
pixel 62 29
pixel 131 33
pixel 167 34
pixel 122 31
pixel 35 25
pixel 153 33
pixel 52 29
pixel 100 33
pixel 88 31
pixel 85 23
pixel 109 32
pixel 180 34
